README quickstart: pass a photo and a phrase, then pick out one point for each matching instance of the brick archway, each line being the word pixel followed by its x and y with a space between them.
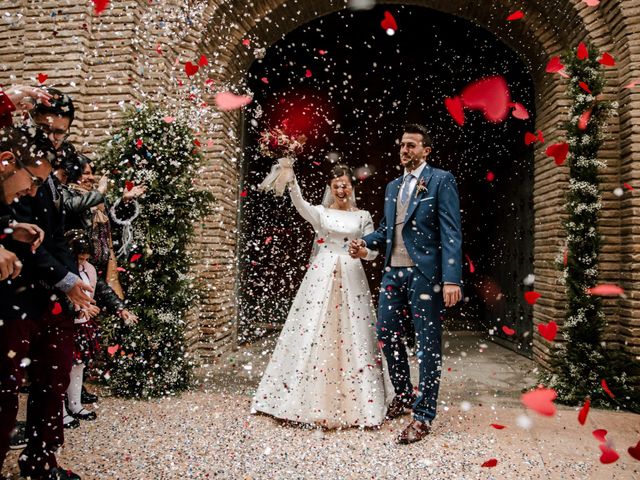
pixel 546 30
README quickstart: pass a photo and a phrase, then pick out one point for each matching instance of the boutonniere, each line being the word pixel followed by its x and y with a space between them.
pixel 421 187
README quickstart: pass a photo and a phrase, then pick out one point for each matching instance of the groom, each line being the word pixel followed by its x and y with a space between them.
pixel 422 237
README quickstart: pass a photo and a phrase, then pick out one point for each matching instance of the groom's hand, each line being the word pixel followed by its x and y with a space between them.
pixel 452 294
pixel 355 248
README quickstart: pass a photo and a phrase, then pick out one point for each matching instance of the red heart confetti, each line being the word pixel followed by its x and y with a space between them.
pixel 627 186
pixel 497 426
pixel 582 52
pixel 609 455
pixel 139 143
pixel 320 241
pixel 508 331
pixel 558 151
pixel 632 84
pixel 607 60
pixel 226 101
pixel 308 73
pixel 190 69
pixel 264 80
pixel 128 185
pixel 135 257
pixel 583 121
pixel 635 451
pixel 605 290
pixel 490 176
pixel 600 435
pixel 554 65
pixel 548 331
pixel 203 62
pixel 42 77
pixel 531 297
pixel 540 400
pixel 584 411
pixel 605 387
pixel 268 240
pixel 517 15
pixel 100 5
pixel 158 49
pixel 246 42
pixel 490 95
pixel 113 349
pixel 492 462
pixel 389 24
pixel 169 119
pixel 519 111
pixel 472 268
pixel 455 108
pixel 243 193
pixel 57 309
pixel 322 52
pixel 584 87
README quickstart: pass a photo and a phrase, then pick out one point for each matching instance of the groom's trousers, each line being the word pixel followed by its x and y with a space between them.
pixel 406 292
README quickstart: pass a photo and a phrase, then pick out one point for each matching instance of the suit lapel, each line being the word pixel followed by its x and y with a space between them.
pixel 425 176
pixel 391 203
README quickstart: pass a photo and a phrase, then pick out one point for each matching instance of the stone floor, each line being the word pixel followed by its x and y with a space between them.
pixel 209 433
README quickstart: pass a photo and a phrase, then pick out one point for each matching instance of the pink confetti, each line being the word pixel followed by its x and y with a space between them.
pixel 226 101
pixel 540 400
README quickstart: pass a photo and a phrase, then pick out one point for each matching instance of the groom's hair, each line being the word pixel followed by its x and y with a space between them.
pixel 420 129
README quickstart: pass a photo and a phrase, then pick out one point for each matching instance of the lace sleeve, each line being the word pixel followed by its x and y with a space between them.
pixel 367 228
pixel 309 212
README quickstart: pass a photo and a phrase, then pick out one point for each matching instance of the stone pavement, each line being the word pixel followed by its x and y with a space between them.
pixel 209 433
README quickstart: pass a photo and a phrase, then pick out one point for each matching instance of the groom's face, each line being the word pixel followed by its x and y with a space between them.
pixel 412 151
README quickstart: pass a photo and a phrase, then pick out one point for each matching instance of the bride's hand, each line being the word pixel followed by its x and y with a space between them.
pixel 357 249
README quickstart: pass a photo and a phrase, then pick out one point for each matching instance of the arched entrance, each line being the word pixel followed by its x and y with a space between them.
pixel 350 87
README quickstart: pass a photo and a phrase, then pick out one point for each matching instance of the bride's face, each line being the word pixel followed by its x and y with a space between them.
pixel 341 189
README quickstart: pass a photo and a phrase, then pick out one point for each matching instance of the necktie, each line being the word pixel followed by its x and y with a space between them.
pixel 406 188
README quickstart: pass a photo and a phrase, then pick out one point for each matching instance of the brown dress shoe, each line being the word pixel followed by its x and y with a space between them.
pixel 399 407
pixel 414 432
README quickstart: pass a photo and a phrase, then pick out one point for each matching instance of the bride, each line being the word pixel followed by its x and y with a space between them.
pixel 326 368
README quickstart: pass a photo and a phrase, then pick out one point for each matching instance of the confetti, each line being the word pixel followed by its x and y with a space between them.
pixel 455 108
pixel 584 411
pixel 57 308
pixel 135 257
pixel 558 151
pixel 492 462
pixel 389 24
pixel 548 331
pixel 635 451
pixel 203 62
pixel 540 400
pixel 490 96
pixel 508 331
pixel 609 455
pixel 42 77
pixel 113 349
pixel 497 426
pixel 605 387
pixel 128 185
pixel 517 15
pixel 226 101
pixel 190 69
pixel 606 290
pixel 100 5
pixel 607 60
pixel 531 297
pixel 582 52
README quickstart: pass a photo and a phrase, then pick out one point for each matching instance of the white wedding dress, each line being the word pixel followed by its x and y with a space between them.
pixel 326 368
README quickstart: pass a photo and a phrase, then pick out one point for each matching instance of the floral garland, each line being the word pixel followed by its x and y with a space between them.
pixel 582 366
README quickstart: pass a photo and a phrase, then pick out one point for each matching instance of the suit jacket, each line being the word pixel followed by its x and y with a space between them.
pixel 432 230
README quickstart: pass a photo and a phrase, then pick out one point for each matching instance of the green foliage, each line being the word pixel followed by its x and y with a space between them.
pixel 584 361
pixel 149 150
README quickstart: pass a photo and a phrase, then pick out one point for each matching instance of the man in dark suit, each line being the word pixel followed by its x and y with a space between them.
pixel 52 345
pixel 421 235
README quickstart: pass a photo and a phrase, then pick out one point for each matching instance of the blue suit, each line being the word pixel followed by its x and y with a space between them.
pixel 432 235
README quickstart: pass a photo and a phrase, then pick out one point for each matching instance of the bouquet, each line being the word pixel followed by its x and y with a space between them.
pixel 276 143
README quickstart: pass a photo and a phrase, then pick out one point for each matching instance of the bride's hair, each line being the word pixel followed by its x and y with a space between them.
pixel 340 170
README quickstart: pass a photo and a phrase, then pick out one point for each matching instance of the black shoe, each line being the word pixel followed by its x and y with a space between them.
pixel 88 397
pixel 18 438
pixel 84 414
pixel 75 423
pixel 61 474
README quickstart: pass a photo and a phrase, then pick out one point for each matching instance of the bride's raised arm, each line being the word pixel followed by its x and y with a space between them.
pixel 309 212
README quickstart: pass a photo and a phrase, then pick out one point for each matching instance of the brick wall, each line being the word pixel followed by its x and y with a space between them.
pixel 110 61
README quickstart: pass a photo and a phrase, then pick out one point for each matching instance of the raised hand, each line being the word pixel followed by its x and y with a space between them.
pixel 25 98
pixel 135 192
pixel 79 297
